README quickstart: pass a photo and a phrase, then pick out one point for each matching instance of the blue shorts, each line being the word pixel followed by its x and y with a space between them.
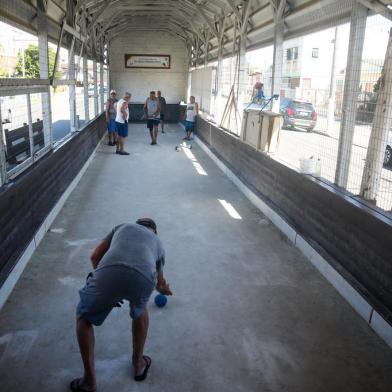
pixel 106 286
pixel 111 126
pixel 189 126
pixel 122 129
pixel 162 116
pixel 152 122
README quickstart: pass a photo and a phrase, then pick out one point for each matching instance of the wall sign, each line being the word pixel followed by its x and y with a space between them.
pixel 158 61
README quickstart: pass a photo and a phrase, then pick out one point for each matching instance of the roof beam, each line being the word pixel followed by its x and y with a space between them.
pixel 234 9
pixel 378 7
pixel 209 23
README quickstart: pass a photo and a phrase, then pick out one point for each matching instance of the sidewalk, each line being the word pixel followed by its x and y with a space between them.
pixel 249 313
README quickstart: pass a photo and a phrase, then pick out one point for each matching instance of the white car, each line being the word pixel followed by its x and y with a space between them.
pixel 6 113
pixel 388 151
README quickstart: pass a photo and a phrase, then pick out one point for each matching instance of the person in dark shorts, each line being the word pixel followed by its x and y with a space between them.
pixel 110 114
pixel 122 117
pixel 152 114
pixel 162 102
pixel 128 265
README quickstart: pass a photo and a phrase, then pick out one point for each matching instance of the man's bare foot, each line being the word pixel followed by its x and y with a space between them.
pixel 141 368
pixel 80 385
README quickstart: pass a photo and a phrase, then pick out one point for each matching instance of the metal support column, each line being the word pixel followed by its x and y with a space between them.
pixel 95 88
pixel 332 85
pixel 351 92
pixel 243 64
pixel 30 120
pixel 42 24
pixel 242 74
pixel 108 84
pixel 219 73
pixel 102 87
pixel 381 127
pixel 72 89
pixel 85 90
pixel 3 161
pixel 277 63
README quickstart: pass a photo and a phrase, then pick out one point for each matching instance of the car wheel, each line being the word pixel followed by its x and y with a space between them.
pixel 388 156
pixel 309 129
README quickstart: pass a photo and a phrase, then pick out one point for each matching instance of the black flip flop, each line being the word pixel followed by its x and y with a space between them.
pixel 74 385
pixel 142 377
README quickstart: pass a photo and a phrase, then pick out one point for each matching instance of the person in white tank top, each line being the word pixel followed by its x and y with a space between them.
pixel 192 110
pixel 122 117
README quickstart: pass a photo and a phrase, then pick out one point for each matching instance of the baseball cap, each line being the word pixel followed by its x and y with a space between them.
pixel 113 92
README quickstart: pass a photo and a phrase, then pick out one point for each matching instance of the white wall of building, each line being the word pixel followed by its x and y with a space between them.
pixel 172 82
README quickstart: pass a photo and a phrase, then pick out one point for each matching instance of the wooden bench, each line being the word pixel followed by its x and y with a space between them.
pixel 18 141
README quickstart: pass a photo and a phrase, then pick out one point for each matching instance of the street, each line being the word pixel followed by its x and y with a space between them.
pixel 297 143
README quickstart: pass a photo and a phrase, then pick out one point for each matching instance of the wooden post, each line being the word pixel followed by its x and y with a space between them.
pixel 381 127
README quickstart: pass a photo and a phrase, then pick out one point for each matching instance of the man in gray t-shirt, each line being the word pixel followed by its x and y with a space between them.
pixel 128 265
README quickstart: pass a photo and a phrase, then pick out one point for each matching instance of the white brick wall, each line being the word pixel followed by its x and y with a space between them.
pixel 172 82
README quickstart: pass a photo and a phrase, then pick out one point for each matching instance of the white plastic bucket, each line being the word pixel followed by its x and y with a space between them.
pixel 307 165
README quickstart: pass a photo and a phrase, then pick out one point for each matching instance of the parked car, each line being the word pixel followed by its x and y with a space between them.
pixel 6 113
pixel 388 151
pixel 298 113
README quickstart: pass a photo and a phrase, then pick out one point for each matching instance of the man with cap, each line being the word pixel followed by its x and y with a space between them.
pixel 110 113
pixel 162 102
pixel 128 265
pixel 122 117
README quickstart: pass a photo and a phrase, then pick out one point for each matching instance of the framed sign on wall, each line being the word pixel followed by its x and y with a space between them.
pixel 157 61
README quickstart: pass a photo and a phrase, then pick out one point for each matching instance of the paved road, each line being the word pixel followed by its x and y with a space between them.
pixel 298 143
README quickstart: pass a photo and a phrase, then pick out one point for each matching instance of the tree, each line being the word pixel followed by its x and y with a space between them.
pixel 30 57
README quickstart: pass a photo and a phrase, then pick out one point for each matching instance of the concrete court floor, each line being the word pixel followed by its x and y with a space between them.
pixel 249 312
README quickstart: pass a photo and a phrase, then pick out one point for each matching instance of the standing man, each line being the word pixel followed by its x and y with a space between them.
pixel 110 113
pixel 192 110
pixel 162 102
pixel 122 117
pixel 151 112
pixel 128 265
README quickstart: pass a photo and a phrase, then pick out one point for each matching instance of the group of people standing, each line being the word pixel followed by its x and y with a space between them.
pixel 117 117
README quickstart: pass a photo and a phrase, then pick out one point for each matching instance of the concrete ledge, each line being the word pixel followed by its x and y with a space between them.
pixel 15 274
pixel 361 306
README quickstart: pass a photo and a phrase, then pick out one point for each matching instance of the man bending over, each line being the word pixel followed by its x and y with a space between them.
pixel 127 266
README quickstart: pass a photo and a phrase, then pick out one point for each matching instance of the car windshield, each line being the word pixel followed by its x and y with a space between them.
pixel 303 106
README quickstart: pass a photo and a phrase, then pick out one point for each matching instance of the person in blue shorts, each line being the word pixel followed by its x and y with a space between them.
pixel 122 117
pixel 110 113
pixel 128 265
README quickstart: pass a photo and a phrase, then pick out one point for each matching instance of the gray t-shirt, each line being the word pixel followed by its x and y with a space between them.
pixel 152 107
pixel 136 247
